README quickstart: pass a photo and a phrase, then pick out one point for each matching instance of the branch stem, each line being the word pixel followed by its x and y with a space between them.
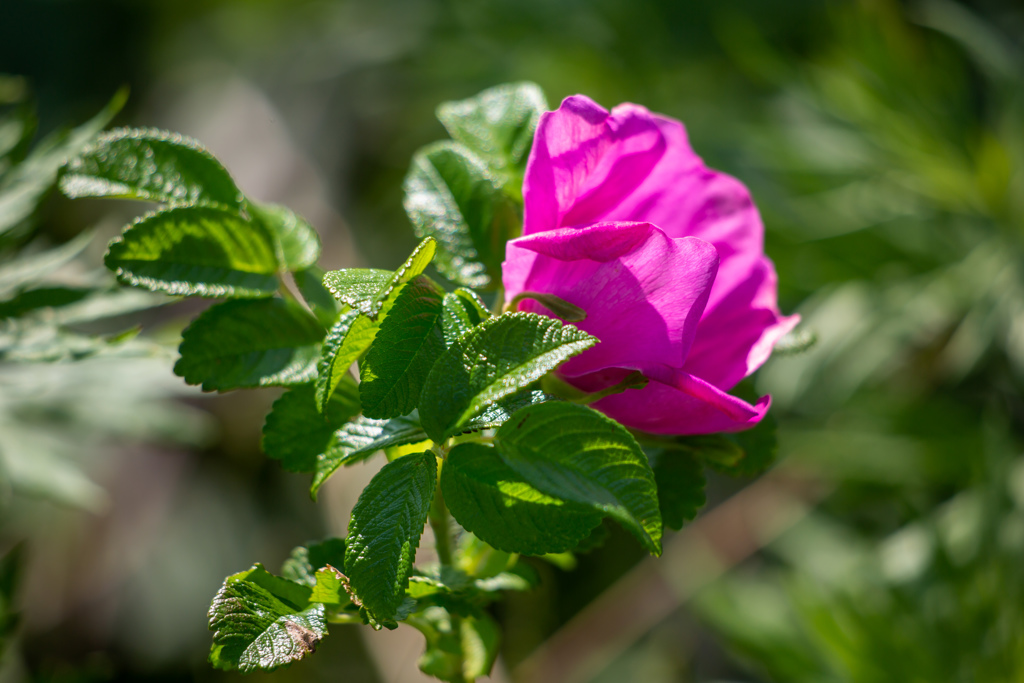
pixel 440 525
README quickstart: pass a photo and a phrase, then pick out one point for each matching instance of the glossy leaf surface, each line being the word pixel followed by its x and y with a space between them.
pixel 262 622
pixel 385 530
pixel 196 251
pixel 153 165
pixel 498 358
pixel 491 500
pixel 574 453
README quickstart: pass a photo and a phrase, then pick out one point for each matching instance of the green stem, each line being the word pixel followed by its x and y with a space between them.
pixel 439 523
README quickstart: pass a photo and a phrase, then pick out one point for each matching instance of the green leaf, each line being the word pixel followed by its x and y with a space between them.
pixel 463 310
pixel 498 358
pixel 366 289
pixel 349 339
pixel 451 195
pixel 196 251
pixel 152 165
pixel 297 243
pixel 357 287
pixel 573 453
pixel 491 500
pixel 325 307
pixel 296 433
pixel 262 622
pixel 385 530
pixel 250 343
pixel 455 318
pixel 360 439
pixel 500 412
pixel 305 560
pixel 681 482
pixel 498 124
pixel 332 587
pixel 406 345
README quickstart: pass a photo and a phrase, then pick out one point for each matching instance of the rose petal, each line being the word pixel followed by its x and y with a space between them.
pixel 736 335
pixel 674 402
pixel 642 291
pixel 589 165
pixel 584 162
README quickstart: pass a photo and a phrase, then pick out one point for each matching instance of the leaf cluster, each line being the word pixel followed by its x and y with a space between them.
pixel 449 392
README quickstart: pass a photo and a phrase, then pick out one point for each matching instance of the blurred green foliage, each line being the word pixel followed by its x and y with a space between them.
pixel 884 144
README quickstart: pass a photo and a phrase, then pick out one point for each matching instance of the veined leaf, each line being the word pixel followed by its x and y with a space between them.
pixel 153 165
pixel 366 289
pixel 357 287
pixel 297 243
pixel 196 251
pixel 360 439
pixel 462 311
pixel 262 622
pixel 680 479
pixel 250 343
pixel 498 358
pixel 296 433
pixel 491 500
pixel 385 530
pixel 406 345
pixel 349 339
pixel 451 195
pixel 573 453
pixel 498 124
pixel 500 412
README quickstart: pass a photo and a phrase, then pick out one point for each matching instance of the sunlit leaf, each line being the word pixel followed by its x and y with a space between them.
pixel 573 453
pixel 385 530
pixel 152 165
pixel 262 622
pixel 196 251
pixel 491 500
pixel 496 359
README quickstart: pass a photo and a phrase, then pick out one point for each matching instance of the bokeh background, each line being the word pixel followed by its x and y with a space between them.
pixel 884 144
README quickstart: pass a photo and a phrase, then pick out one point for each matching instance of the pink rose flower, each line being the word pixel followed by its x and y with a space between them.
pixel 665 256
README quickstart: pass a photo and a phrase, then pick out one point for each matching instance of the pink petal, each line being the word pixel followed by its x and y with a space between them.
pixel 736 334
pixel 643 292
pixel 590 165
pixel 674 402
pixel 584 162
